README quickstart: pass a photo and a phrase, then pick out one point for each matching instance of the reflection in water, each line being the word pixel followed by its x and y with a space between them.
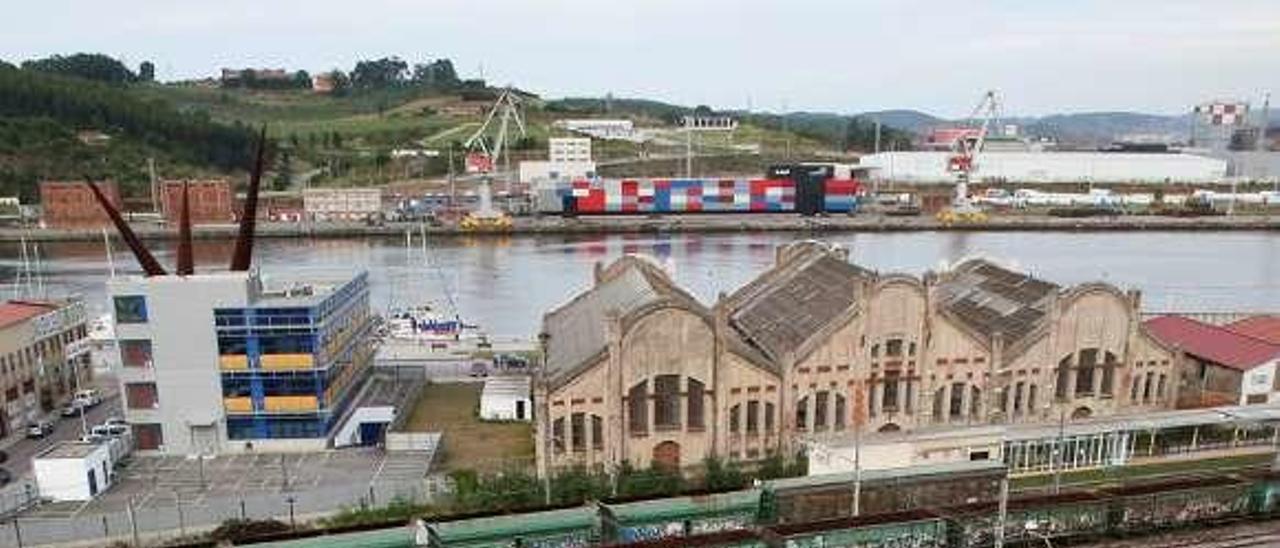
pixel 507 284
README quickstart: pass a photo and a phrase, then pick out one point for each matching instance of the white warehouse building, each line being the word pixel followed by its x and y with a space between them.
pixel 506 398
pixel 74 471
pixel 1051 167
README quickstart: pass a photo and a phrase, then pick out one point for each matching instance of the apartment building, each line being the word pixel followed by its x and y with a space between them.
pixel 44 357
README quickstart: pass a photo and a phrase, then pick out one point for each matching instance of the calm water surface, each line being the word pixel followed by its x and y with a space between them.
pixel 506 285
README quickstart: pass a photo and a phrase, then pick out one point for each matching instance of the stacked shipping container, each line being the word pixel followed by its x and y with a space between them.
pixel 695 196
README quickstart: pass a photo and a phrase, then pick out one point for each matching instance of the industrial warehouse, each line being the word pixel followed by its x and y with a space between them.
pixel 638 370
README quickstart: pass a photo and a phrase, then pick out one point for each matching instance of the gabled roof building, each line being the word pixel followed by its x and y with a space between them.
pixel 640 371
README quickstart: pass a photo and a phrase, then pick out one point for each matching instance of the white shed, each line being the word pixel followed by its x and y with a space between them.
pixel 506 398
pixel 73 470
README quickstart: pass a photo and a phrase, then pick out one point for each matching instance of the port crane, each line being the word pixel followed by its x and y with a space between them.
pixel 964 156
pixel 484 151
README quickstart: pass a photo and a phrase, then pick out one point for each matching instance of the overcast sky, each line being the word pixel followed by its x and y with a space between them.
pixel 1044 56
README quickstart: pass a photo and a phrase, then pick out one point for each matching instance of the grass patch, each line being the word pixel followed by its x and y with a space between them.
pixel 1097 477
pixel 469 442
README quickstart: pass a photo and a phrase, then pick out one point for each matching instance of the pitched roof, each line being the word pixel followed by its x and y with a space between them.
pixel 990 299
pixel 13 312
pixel 578 330
pixel 1262 327
pixel 795 302
pixel 1212 343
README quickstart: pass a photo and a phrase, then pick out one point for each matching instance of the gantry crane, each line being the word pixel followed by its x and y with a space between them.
pixel 963 160
pixel 484 153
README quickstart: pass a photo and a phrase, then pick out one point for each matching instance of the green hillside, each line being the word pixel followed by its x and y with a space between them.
pixel 87 115
pixel 54 127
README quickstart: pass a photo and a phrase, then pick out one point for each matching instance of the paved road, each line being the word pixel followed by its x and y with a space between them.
pixel 21 451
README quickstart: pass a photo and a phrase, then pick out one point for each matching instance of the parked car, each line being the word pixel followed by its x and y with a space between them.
pixel 109 430
pixel 40 429
pixel 115 421
pixel 88 397
pixel 479 369
pixel 510 361
pixel 73 408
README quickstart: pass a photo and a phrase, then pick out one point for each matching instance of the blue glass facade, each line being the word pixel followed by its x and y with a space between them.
pixel 291 371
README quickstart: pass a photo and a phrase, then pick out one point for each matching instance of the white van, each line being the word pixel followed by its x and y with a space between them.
pixel 88 397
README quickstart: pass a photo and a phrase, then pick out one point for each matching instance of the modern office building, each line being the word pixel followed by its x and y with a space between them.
pixel 227 362
pixel 44 357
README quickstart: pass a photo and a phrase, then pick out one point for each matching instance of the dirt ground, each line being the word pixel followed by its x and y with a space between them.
pixel 468 442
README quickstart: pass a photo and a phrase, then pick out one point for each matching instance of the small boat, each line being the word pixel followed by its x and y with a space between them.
pixel 425 324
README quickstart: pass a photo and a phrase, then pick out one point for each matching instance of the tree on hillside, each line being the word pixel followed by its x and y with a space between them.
pixel 302 79
pixel 92 66
pixel 380 73
pixel 436 74
pixel 147 72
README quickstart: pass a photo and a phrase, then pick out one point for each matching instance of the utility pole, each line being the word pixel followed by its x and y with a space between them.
pixel 877 135
pixel 1004 511
pixel 155 198
pixel 857 470
pixel 1058 451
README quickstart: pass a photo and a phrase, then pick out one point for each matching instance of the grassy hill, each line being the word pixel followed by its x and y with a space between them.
pixel 56 127
pixel 59 126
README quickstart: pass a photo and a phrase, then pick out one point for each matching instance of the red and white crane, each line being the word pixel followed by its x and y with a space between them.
pixel 963 160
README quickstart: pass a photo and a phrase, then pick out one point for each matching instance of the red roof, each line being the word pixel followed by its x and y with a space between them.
pixel 1212 343
pixel 1266 328
pixel 12 312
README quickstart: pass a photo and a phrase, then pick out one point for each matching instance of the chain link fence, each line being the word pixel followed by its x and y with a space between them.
pixel 159 518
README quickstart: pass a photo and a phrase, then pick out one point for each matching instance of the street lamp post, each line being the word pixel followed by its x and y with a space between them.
pixel 291 500
pixel 1058 451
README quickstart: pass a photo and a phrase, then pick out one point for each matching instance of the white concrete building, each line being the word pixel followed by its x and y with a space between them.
pixel 569 149
pixel 599 128
pixel 1051 167
pixel 342 204
pixel 567 158
pixel 224 362
pixel 505 399
pixel 73 471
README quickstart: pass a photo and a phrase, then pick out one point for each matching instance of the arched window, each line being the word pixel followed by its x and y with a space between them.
pixel 802 414
pixel 638 408
pixel 666 402
pixel 768 417
pixel 1031 399
pixel 1133 391
pixel 696 404
pixel 735 418
pixel 1146 387
pixel 1160 387
pixel 1108 374
pixel 753 417
pixel 840 412
pixel 956 409
pixel 939 403
pixel 975 402
pixel 821 411
pixel 1084 373
pixel 1060 389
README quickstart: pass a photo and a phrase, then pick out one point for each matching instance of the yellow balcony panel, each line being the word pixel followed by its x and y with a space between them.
pixel 275 362
pixel 233 362
pixel 238 405
pixel 290 404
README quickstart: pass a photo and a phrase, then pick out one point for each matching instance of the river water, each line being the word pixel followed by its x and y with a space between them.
pixel 506 284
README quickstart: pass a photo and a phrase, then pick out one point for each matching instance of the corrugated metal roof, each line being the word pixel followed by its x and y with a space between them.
pixel 1212 343
pixel 577 330
pixel 1263 327
pixel 13 312
pixel 796 303
pixel 990 299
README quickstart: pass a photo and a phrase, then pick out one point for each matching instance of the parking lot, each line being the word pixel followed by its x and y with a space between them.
pixel 156 482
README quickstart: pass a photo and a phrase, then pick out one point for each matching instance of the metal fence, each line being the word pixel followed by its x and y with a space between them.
pixel 163 519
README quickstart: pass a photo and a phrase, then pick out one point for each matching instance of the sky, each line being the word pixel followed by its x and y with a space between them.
pixel 1043 56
